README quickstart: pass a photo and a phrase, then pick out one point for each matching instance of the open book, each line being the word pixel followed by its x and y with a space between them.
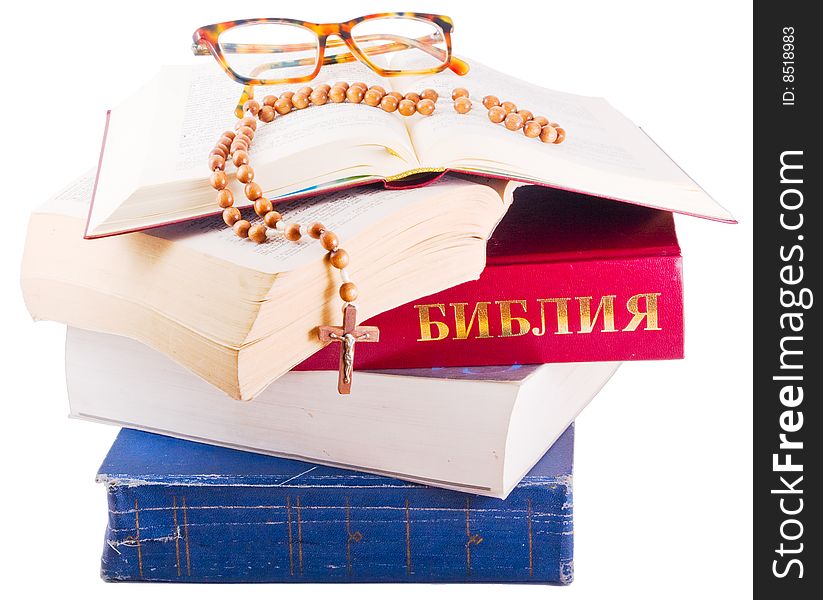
pixel 153 169
pixel 240 314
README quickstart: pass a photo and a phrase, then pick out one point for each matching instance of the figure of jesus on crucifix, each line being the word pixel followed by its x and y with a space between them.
pixel 347 335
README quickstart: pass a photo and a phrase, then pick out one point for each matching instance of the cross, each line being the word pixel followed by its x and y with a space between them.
pixel 347 335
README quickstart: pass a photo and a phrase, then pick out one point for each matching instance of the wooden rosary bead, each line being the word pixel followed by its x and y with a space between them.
pixel 241 139
pixel 341 84
pixel 425 106
pixel 462 105
pixel 218 180
pixel 257 233
pixel 249 122
pixel 355 94
pixel 323 87
pixel 245 131
pixel 216 162
pixel 542 120
pixel 219 151
pixel 231 215
pixel 532 129
pixel 269 100
pixel 251 106
pixel 561 135
pixel 329 240
pixel 241 157
pixel 319 97
pixel 526 114
pixel 460 93
pixel 429 94
pixel 413 96
pixel 225 198
pixel 396 95
pixel 253 191
pixel 348 292
pixel 241 228
pixel 513 121
pixel 490 101
pixel 228 134
pixel 497 114
pixel 262 206
pixel 225 140
pixel 339 259
pixel 271 218
pixel 406 107
pixel 305 90
pixel 266 114
pixel 509 107
pixel 379 88
pixel 372 97
pixel 337 95
pixel 316 230
pixel 283 105
pixel 389 103
pixel 361 85
pixel 292 232
pixel 548 134
pixel 300 100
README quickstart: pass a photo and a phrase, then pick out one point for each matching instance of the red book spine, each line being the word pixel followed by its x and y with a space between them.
pixel 525 313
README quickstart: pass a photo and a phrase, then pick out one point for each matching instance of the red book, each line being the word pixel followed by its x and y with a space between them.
pixel 568 278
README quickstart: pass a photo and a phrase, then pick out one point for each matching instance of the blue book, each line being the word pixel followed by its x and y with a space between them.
pixel 190 512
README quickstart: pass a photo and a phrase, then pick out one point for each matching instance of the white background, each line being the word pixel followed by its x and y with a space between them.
pixel 663 466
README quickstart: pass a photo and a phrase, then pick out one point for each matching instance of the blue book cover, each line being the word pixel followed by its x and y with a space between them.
pixel 189 512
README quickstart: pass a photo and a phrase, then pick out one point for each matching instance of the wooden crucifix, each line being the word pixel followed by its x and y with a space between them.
pixel 347 335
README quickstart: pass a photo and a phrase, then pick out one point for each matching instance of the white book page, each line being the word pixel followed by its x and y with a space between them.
pixel 154 160
pixel 210 101
pixel 73 200
pixel 604 153
pixel 349 213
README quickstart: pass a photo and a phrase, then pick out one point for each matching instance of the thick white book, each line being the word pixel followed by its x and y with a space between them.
pixel 477 430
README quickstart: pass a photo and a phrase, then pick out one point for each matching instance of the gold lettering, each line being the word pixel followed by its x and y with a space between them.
pixel 562 306
pixel 587 322
pixel 426 323
pixel 506 318
pixel 461 330
pixel 650 314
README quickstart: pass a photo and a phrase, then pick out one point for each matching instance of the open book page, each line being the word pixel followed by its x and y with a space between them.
pixel 71 201
pixel 154 159
pixel 349 213
pixel 604 153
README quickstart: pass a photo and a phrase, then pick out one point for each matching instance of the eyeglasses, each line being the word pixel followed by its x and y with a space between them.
pixel 243 48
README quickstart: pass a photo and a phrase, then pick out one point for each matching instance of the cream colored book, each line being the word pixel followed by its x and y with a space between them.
pixel 153 163
pixel 477 432
pixel 239 314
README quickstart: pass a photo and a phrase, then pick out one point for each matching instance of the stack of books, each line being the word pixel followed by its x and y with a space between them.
pixel 503 310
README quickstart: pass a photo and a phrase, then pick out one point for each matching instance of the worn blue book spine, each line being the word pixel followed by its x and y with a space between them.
pixel 181 511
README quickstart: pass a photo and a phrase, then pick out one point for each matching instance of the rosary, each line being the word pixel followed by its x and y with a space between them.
pixel 234 146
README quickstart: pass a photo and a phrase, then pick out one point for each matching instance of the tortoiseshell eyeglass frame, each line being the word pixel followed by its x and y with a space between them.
pixel 205 43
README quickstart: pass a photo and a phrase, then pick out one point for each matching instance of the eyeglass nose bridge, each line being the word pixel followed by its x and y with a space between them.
pixel 326 40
